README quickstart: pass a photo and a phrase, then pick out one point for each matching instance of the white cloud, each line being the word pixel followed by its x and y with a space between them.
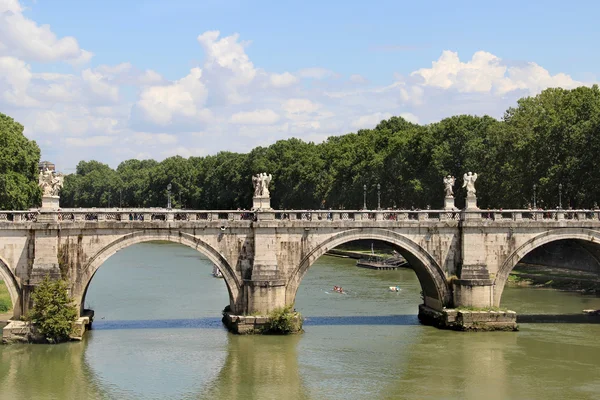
pixel 283 80
pixel 226 102
pixel 256 117
pixel 185 97
pixel 15 76
pixel 99 85
pixel 93 141
pixel 226 59
pixel 143 138
pixel 370 121
pixel 486 73
pixel 23 38
pixel 410 117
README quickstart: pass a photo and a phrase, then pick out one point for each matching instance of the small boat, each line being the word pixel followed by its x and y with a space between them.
pixel 395 288
pixel 338 289
pixel 216 272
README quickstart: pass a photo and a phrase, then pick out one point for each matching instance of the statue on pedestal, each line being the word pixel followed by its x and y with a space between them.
pixel 469 183
pixel 50 182
pixel 448 183
pixel 261 185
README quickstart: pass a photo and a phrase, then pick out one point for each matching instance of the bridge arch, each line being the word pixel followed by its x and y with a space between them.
pixel 436 291
pixel 14 289
pixel 89 270
pixel 586 235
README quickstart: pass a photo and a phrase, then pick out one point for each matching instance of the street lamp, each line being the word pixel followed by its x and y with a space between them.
pixel 378 196
pixel 109 200
pixel 364 197
pixel 169 196
pixel 560 196
pixel 120 198
pixel 534 203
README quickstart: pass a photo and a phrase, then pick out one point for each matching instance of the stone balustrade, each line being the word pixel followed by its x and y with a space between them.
pixel 159 215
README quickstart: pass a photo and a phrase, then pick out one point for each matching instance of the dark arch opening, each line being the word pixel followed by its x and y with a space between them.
pixel 568 263
pixel 432 279
pixel 163 279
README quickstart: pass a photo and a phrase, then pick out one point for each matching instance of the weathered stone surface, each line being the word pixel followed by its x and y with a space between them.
pixel 467 320
pixel 265 255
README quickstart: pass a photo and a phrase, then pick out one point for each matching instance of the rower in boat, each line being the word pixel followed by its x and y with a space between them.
pixel 338 289
pixel 395 288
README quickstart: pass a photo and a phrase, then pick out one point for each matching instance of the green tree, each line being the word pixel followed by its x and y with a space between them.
pixel 19 159
pixel 53 310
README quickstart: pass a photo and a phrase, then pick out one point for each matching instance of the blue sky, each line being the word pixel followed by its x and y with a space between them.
pixel 114 80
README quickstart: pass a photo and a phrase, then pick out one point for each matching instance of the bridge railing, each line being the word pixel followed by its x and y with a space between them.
pixel 158 215
pixel 366 215
pixel 534 215
pixel 131 215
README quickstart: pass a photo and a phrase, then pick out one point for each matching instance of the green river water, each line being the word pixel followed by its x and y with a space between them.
pixel 158 335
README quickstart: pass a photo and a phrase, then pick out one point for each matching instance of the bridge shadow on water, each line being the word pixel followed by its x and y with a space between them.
pixel 215 323
pixel 558 319
pixel 375 320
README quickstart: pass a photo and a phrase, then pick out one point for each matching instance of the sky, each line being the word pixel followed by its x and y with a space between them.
pixel 114 80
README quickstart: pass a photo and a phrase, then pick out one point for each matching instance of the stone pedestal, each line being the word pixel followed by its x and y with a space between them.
pixel 50 203
pixel 262 203
pixel 471 203
pixel 449 203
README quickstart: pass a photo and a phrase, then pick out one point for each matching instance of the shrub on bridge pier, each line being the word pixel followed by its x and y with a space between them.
pixel 53 312
pixel 283 321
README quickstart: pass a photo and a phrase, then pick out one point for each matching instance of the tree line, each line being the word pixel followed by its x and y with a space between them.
pixel 547 140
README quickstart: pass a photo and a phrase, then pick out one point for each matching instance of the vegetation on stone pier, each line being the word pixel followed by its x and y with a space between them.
pixel 545 140
pixel 5 302
pixel 283 321
pixel 53 311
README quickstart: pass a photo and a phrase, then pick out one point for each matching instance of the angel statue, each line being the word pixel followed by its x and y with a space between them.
pixel 469 183
pixel 257 182
pixel 448 183
pixel 266 180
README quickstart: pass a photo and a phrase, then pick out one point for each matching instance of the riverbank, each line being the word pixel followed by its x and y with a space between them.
pixel 555 278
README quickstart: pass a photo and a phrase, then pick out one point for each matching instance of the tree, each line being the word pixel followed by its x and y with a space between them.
pixel 19 159
pixel 53 310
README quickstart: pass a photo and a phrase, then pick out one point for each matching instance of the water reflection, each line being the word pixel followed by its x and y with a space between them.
pixel 47 372
pixel 259 368
pixel 162 341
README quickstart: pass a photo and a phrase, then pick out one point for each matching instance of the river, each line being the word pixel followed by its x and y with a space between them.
pixel 158 335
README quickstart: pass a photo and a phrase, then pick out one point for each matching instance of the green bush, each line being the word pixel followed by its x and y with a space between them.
pixel 53 310
pixel 283 321
pixel 5 302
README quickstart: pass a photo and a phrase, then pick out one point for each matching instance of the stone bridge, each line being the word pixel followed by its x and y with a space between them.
pixel 461 258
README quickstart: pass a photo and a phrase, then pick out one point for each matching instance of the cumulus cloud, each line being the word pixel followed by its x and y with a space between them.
pixel 185 97
pixel 283 80
pixel 486 73
pixel 23 38
pixel 226 102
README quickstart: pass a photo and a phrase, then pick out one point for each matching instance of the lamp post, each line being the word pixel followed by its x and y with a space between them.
pixel 560 196
pixel 109 200
pixel 364 197
pixel 378 196
pixel 120 198
pixel 169 196
pixel 534 203
pixel 180 200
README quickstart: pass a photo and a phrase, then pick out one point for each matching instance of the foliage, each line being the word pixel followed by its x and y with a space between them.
pixel 5 302
pixel 53 310
pixel 284 320
pixel 549 139
pixel 19 159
